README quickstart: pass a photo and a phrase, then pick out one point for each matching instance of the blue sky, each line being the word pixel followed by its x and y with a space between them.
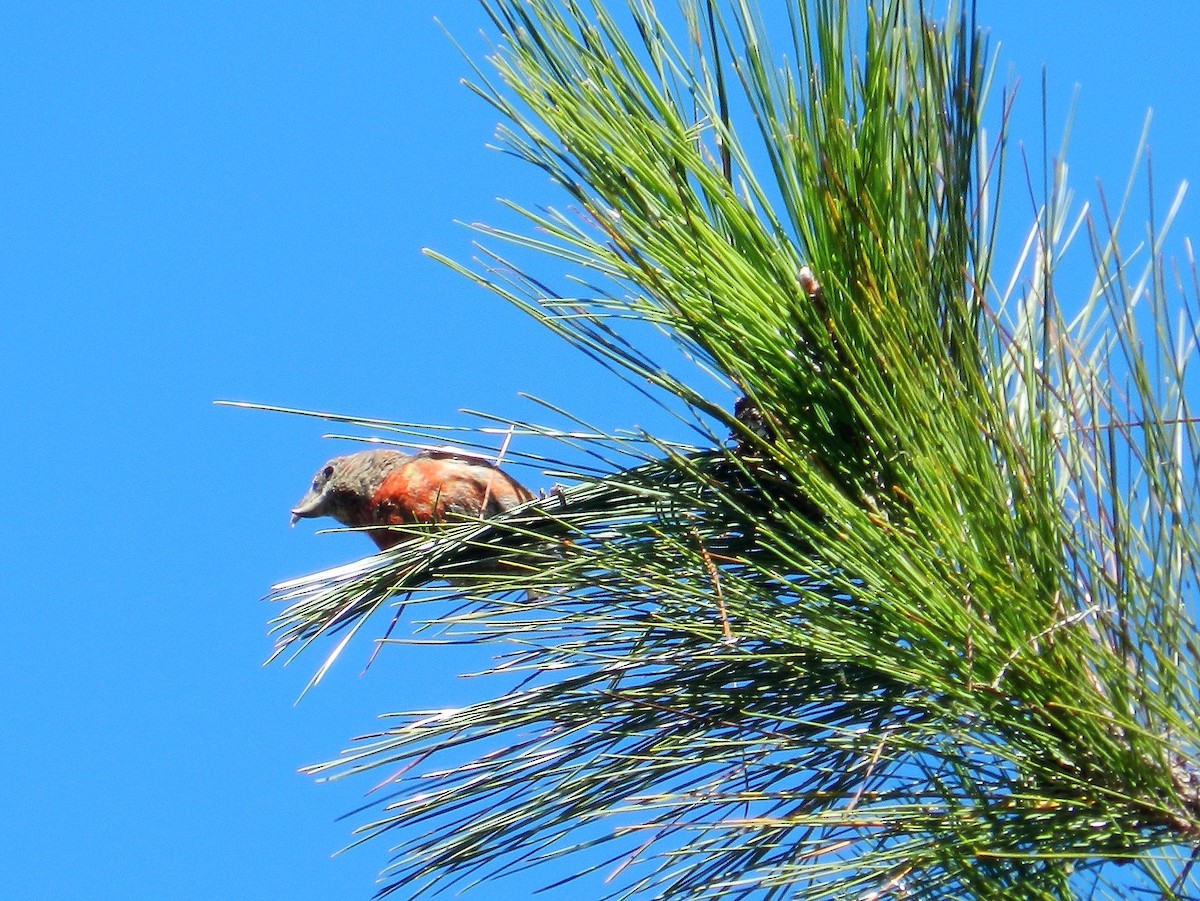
pixel 224 200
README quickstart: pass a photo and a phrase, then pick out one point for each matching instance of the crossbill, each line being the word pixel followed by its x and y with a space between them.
pixel 390 488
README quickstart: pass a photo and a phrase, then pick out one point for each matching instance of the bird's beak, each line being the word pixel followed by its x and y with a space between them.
pixel 309 506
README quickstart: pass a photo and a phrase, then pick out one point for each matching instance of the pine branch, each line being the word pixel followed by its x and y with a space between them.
pixel 919 625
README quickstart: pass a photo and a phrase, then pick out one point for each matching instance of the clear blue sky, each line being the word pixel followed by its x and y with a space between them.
pixel 228 200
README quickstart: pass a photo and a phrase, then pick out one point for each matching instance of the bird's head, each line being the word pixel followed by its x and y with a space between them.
pixel 318 500
pixel 343 487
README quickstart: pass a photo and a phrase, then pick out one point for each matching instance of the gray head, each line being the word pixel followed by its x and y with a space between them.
pixel 344 487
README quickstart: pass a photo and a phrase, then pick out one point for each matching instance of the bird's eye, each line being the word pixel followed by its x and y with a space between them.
pixel 328 472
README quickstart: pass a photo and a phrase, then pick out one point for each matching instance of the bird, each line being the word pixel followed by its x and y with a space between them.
pixel 390 488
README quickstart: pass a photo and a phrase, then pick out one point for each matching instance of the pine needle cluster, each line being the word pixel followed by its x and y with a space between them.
pixel 911 619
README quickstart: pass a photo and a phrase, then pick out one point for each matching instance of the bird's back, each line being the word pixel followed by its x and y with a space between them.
pixel 436 485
